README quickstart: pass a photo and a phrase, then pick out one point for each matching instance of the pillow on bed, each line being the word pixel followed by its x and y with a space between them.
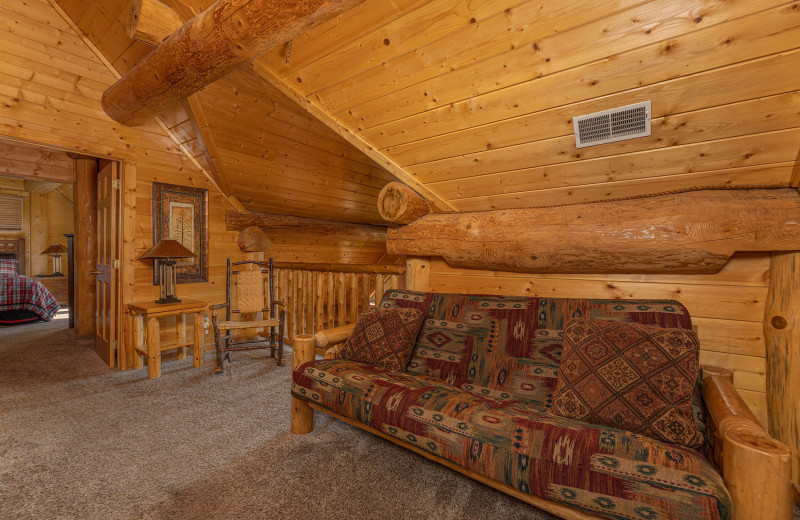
pixel 630 376
pixel 384 338
pixel 8 267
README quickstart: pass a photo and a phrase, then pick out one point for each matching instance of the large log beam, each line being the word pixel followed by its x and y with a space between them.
pixel 694 232
pixel 224 36
pixel 782 339
pixel 400 204
pixel 252 239
pixel 307 229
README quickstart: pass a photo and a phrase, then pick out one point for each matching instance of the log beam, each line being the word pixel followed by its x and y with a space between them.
pixel 151 21
pixel 400 204
pixel 306 228
pixel 693 232
pixel 782 339
pixel 224 36
pixel 252 239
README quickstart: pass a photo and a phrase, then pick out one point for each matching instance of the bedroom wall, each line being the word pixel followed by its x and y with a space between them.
pixel 46 217
pixel 727 307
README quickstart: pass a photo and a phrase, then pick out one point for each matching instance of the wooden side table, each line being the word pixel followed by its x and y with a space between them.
pixel 149 312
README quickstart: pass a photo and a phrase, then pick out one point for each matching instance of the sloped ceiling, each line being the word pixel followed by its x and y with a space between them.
pixel 476 99
pixel 267 152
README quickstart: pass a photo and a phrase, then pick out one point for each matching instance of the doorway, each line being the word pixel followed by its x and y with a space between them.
pixel 103 261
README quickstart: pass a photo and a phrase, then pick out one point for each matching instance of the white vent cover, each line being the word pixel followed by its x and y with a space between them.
pixel 612 125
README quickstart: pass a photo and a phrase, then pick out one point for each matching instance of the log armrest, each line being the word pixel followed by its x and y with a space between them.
pixel 755 467
pixel 331 339
pixel 304 349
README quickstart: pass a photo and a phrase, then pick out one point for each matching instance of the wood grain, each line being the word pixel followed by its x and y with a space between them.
pixel 695 232
pixel 227 34
pixel 782 335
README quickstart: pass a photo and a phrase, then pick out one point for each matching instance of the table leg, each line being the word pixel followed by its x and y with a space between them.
pixel 153 348
pixel 138 340
pixel 197 340
pixel 180 323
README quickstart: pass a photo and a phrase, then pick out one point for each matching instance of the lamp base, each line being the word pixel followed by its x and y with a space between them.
pixel 168 299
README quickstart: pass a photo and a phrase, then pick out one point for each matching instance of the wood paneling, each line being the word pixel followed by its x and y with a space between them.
pixel 727 307
pixel 476 100
pixel 259 133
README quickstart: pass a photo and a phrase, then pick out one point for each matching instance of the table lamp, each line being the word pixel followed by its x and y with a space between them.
pixel 165 250
pixel 56 250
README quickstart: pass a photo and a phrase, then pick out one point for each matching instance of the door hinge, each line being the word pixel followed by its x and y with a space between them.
pixel 115 264
pixel 116 184
pixel 113 344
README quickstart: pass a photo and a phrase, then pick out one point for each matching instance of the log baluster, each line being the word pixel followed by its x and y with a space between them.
pixel 378 288
pixel 341 289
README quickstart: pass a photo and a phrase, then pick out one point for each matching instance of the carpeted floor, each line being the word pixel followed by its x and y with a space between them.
pixel 81 441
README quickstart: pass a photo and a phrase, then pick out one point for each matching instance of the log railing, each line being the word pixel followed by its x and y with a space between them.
pixel 323 296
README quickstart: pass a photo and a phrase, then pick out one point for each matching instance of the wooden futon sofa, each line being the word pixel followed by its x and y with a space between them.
pixel 477 396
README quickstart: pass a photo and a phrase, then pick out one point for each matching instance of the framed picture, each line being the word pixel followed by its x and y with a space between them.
pixel 181 213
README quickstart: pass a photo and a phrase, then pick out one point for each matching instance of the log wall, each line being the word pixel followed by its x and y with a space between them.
pixel 50 87
pixel 258 132
pixel 727 307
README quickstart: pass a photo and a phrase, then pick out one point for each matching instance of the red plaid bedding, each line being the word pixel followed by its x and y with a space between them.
pixel 23 293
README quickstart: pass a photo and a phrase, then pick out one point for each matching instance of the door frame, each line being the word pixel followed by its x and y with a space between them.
pixel 126 245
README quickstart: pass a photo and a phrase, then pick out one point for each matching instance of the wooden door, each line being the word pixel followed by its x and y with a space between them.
pixel 107 281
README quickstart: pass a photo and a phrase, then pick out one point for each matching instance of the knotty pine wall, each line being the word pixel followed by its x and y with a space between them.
pixel 50 88
pixel 476 99
pixel 727 307
pixel 46 218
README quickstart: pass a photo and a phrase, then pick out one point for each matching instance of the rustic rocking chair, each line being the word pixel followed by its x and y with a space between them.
pixel 249 300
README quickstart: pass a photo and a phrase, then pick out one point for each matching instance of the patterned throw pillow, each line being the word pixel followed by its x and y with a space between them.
pixel 8 267
pixel 384 338
pixel 630 376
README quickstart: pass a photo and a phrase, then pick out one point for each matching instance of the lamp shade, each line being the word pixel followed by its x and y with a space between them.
pixel 54 249
pixel 167 248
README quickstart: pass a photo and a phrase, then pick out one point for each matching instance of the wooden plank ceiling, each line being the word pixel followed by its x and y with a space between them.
pixel 260 146
pixel 476 99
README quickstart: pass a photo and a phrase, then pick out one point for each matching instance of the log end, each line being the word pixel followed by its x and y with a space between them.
pixel 400 204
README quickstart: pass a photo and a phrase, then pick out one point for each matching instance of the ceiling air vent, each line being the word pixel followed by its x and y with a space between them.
pixel 612 125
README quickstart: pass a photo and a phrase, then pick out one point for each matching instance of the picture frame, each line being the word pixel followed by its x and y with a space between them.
pixel 181 213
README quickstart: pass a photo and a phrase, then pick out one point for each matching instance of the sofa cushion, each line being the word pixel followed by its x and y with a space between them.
pixel 601 470
pixel 384 338
pixel 510 347
pixel 630 376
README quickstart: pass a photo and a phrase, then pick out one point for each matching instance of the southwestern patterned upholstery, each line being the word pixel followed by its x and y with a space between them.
pixel 478 392
pixel 384 338
pixel 635 377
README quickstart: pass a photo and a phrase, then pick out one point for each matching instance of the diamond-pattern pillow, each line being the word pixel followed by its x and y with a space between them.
pixel 384 338
pixel 635 377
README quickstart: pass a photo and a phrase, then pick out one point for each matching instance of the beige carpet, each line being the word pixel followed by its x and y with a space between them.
pixel 81 441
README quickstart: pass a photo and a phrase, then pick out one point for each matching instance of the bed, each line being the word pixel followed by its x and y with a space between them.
pixel 22 299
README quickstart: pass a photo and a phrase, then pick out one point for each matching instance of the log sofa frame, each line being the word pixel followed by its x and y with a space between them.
pixel 755 467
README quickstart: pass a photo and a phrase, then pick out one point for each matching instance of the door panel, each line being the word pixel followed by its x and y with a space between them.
pixel 107 280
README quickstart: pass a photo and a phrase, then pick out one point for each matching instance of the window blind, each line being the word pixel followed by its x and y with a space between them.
pixel 10 212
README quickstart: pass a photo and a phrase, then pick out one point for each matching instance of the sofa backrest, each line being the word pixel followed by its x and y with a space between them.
pixel 506 347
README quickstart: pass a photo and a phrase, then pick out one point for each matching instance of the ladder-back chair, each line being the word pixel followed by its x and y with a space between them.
pixel 250 299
